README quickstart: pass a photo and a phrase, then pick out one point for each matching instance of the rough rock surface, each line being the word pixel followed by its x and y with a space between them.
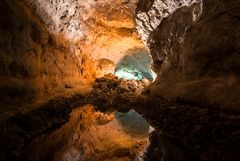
pixel 109 88
pixel 105 29
pixel 110 28
pixel 34 61
pixel 44 47
pixel 195 49
pixel 151 13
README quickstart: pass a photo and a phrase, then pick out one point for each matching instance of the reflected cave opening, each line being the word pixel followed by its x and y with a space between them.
pixel 91 135
pixel 133 122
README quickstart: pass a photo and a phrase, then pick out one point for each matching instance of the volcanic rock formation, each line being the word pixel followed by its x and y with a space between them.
pixel 61 99
pixel 195 49
pixel 48 46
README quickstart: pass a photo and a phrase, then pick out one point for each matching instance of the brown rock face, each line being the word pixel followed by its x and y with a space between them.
pixel 51 46
pixel 105 29
pixel 110 28
pixel 34 61
pixel 57 46
pixel 195 49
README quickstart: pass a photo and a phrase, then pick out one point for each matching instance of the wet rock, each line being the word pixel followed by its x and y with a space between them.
pixel 109 88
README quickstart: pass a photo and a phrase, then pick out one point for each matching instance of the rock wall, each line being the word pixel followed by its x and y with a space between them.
pixel 60 16
pixel 33 60
pixel 110 28
pixel 195 49
pixel 50 46
pixel 151 13
pixel 105 29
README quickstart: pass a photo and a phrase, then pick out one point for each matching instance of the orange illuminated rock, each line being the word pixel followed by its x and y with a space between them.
pixel 89 135
pixel 47 46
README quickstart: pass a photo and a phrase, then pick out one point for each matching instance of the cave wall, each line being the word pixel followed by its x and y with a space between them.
pixel 195 49
pixel 33 60
pixel 103 29
pixel 50 46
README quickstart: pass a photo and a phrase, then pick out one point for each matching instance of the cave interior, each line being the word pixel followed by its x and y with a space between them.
pixel 119 80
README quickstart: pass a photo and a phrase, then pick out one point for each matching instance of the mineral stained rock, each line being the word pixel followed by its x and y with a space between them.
pixel 195 49
pixel 48 46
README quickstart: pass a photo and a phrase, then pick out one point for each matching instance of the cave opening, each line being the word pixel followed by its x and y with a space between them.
pixel 135 65
pixel 133 122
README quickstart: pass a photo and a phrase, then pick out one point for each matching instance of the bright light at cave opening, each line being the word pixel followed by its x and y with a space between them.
pixel 135 66
pixel 130 76
pixel 154 75
pixel 127 75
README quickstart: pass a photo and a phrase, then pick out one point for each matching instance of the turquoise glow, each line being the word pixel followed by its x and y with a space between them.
pixel 132 122
pixel 129 74
pixel 135 66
